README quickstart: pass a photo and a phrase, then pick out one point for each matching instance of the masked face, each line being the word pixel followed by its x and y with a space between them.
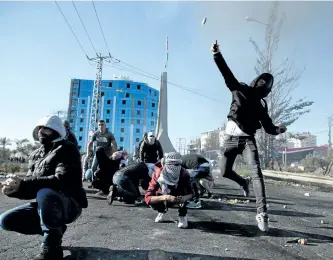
pixel 46 135
pixel 151 138
pixel 263 85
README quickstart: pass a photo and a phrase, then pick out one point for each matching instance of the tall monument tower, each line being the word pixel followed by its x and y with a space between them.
pixel 162 119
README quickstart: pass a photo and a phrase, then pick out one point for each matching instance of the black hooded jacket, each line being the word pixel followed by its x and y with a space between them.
pixel 137 173
pixel 248 108
pixel 58 169
pixel 193 161
pixel 150 153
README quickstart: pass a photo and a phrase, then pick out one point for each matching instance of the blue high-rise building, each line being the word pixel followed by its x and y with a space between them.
pixel 128 108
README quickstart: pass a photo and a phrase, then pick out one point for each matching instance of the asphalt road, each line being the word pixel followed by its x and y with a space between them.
pixel 221 230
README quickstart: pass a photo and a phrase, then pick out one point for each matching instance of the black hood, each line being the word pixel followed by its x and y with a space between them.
pixel 265 89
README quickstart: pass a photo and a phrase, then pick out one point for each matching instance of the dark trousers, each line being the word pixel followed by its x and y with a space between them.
pixel 126 188
pixel 162 207
pixel 246 146
pixel 107 168
pixel 195 185
pixel 47 216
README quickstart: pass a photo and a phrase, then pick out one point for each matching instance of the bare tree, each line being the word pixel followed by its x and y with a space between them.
pixel 4 141
pixel 282 109
pixel 25 147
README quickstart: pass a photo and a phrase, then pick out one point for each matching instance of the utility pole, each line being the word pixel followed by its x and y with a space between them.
pixel 62 114
pixel 94 111
pixel 181 145
pixel 330 121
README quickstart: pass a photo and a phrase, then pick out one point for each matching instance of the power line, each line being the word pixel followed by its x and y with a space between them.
pixel 100 26
pixel 132 71
pixel 84 27
pixel 134 67
pixel 71 29
pixel 142 72
pixel 171 83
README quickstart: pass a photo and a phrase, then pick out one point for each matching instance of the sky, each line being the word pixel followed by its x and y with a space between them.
pixel 39 55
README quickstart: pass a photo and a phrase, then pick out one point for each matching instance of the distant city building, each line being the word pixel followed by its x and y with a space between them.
pixel 296 155
pixel 128 108
pixel 194 146
pixel 210 144
pixel 302 140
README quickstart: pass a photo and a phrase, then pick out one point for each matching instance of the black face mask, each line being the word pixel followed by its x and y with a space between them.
pixel 263 85
pixel 47 139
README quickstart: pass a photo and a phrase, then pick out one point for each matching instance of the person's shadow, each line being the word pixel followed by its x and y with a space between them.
pixel 94 253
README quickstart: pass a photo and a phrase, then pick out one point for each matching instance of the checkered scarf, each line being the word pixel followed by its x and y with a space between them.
pixel 170 172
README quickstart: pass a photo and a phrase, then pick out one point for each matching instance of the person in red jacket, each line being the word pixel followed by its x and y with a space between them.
pixel 170 185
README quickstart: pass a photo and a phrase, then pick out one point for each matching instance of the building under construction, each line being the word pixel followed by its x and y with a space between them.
pixel 128 108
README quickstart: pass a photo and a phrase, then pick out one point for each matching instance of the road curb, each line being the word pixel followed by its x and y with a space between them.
pixel 303 180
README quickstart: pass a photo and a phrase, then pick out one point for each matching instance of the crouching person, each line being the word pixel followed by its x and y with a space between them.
pixel 126 183
pixel 200 170
pixel 54 179
pixel 170 185
pixel 106 169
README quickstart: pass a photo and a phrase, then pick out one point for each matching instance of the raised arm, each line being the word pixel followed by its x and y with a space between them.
pixel 229 78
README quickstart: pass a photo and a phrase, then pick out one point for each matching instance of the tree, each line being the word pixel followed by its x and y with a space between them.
pixel 311 163
pixel 25 147
pixel 282 109
pixel 4 141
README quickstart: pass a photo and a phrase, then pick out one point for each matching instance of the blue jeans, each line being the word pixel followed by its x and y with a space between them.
pixel 88 175
pixel 94 166
pixel 126 188
pixel 47 216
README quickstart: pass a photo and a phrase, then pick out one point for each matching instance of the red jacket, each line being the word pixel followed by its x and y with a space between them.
pixel 183 188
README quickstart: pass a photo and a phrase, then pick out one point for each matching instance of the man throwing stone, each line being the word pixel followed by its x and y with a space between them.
pixel 248 113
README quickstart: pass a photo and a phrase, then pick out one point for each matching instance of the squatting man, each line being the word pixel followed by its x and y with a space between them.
pixel 54 181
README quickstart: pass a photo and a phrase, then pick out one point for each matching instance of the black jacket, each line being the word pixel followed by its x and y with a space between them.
pixel 58 169
pixel 137 172
pixel 150 153
pixel 193 161
pixel 248 108
pixel 71 137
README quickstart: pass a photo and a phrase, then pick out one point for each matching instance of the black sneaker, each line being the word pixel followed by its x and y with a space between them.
pixel 112 194
pixel 50 253
pixel 202 192
pixel 209 195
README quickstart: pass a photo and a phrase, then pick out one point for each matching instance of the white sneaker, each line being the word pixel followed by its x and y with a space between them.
pixel 194 205
pixel 247 187
pixel 262 220
pixel 182 222
pixel 159 218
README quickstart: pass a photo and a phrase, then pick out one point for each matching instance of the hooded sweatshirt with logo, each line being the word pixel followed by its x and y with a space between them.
pixel 248 108
pixel 56 165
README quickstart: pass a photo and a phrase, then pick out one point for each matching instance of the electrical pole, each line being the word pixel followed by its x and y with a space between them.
pixel 94 111
pixel 330 121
